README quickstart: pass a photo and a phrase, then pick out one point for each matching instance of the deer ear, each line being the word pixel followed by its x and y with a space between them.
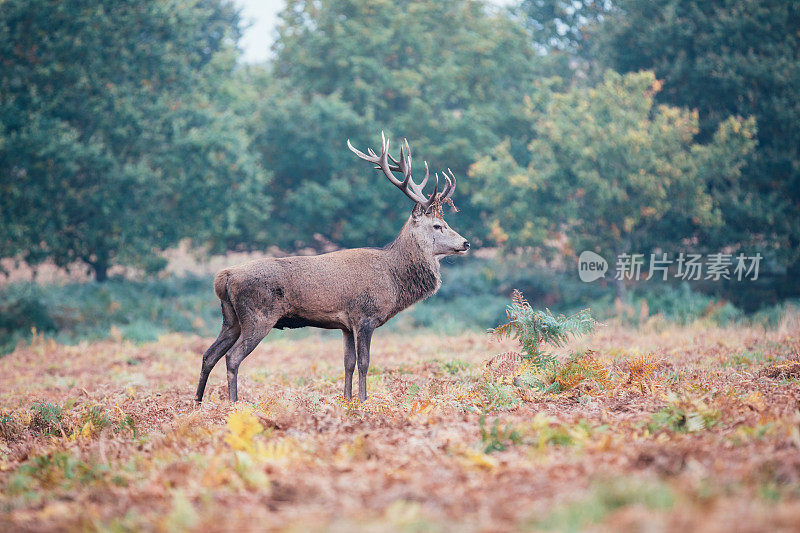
pixel 417 211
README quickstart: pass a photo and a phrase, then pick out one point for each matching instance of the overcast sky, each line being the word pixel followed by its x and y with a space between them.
pixel 262 15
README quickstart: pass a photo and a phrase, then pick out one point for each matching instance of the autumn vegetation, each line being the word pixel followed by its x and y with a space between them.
pixel 664 427
pixel 139 154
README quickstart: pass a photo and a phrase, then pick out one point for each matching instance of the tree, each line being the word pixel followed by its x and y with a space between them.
pixel 321 191
pixel 723 58
pixel 351 68
pixel 613 172
pixel 112 142
pixel 561 33
pixel 562 24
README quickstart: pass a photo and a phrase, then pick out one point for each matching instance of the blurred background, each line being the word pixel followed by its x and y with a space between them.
pixel 144 145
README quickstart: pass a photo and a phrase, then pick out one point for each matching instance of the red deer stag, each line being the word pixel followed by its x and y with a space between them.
pixel 354 290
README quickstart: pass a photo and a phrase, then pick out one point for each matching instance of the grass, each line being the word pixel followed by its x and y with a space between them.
pixel 103 435
pixel 603 499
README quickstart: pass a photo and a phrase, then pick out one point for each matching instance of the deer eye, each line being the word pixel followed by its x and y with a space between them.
pixel 437 226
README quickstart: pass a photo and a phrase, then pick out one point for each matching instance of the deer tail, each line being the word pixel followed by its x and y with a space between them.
pixel 221 285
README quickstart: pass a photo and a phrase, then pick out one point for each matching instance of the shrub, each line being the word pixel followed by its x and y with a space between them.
pixel 534 329
pixel 46 418
pixel 142 310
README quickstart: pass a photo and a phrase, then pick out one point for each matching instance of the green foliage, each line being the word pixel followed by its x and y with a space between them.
pixel 112 141
pixel 674 303
pixel 142 310
pixel 562 25
pixel 610 170
pixel 54 469
pixel 323 188
pixel 451 316
pixel 498 397
pixel 98 416
pixel 9 427
pixel 544 432
pixel 348 69
pixel 771 317
pixel 472 298
pixel 454 366
pixel 21 311
pixel 127 424
pixel 535 328
pixel 745 358
pixel 682 416
pixel 392 62
pixel 727 58
pixel 47 418
pixel 497 439
pixel 682 305
pixel 131 126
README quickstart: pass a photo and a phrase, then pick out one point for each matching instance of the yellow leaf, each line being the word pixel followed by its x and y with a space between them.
pixel 84 433
pixel 481 460
pixel 243 426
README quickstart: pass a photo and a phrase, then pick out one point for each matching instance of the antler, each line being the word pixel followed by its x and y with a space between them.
pixel 410 188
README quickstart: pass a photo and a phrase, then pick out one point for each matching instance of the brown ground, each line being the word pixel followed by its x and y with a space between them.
pixel 703 434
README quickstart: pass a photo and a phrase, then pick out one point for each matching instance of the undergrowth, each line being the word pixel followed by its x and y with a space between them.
pixel 536 330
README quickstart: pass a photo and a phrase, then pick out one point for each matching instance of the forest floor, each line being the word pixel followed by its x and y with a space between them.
pixel 692 428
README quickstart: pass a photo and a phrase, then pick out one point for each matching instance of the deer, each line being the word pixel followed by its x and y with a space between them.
pixel 354 290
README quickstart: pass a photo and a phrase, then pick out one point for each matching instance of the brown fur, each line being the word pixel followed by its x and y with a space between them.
pixel 354 290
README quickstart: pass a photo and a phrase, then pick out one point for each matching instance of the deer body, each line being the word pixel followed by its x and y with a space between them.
pixel 337 290
pixel 354 290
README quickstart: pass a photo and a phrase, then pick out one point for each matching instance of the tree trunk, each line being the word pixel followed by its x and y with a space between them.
pixel 789 285
pixel 620 290
pixel 100 271
pixel 100 264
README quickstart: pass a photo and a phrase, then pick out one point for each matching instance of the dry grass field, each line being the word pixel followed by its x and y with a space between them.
pixel 687 428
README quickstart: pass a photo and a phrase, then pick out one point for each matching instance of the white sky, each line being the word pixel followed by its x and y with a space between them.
pixel 262 15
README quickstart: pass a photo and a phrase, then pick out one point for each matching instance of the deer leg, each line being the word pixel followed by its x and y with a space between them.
pixel 349 363
pixel 363 338
pixel 252 334
pixel 228 335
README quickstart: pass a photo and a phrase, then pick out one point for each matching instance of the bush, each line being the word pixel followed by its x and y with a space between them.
pixel 22 309
pixel 142 310
pixel 46 418
pixel 534 329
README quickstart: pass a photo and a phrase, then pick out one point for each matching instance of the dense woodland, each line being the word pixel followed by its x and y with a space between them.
pixel 617 126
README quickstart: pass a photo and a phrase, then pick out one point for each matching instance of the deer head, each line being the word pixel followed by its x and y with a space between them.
pixel 426 223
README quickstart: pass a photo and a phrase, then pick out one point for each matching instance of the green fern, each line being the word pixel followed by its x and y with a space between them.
pixel 534 328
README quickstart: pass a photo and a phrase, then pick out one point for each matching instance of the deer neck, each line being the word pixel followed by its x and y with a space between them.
pixel 415 272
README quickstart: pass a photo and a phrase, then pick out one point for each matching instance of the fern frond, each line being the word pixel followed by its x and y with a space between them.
pixel 518 299
pixel 643 367
pixel 582 367
pixel 534 328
